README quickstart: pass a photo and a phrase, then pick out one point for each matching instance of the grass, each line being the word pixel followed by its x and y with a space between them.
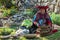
pixel 55 36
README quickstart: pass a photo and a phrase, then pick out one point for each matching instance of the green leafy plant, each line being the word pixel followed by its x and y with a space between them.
pixel 55 18
pixel 27 23
pixel 13 11
pixel 9 12
pixel 6 31
pixel 5 14
pixel 29 12
pixel 22 38
pixel 6 3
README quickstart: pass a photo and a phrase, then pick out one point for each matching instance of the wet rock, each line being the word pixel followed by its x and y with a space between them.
pixel 18 18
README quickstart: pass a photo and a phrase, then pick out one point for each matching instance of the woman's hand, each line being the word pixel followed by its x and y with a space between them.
pixel 35 23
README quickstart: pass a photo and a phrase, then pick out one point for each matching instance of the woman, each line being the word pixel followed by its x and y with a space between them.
pixel 41 19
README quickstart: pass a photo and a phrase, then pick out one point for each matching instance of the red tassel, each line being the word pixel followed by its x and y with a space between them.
pixel 54 31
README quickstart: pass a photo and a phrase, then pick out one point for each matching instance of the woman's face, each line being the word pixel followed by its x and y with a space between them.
pixel 42 11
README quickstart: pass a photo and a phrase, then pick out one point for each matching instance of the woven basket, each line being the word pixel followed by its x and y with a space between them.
pixel 45 30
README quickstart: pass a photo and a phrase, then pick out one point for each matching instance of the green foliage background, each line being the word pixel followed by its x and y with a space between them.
pixel 55 18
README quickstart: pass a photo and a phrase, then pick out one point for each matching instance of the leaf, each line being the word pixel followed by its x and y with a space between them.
pixel 26 23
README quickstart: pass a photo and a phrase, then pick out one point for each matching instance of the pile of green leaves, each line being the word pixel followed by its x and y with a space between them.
pixel 55 18
pixel 6 31
pixel 27 23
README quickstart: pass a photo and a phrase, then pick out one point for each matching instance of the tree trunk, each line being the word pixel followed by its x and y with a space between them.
pixel 57 7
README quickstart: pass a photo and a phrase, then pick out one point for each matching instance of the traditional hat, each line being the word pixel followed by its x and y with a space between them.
pixel 42 7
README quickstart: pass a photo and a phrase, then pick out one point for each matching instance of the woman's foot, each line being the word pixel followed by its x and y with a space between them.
pixel 38 35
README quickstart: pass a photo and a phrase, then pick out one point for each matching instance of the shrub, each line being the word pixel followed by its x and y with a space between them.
pixel 5 14
pixel 22 38
pixel 27 23
pixel 9 12
pixel 6 3
pixel 55 18
pixel 29 12
pixel 6 31
pixel 13 11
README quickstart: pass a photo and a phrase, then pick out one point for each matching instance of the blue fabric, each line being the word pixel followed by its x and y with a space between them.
pixel 41 21
pixel 34 18
pixel 50 19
